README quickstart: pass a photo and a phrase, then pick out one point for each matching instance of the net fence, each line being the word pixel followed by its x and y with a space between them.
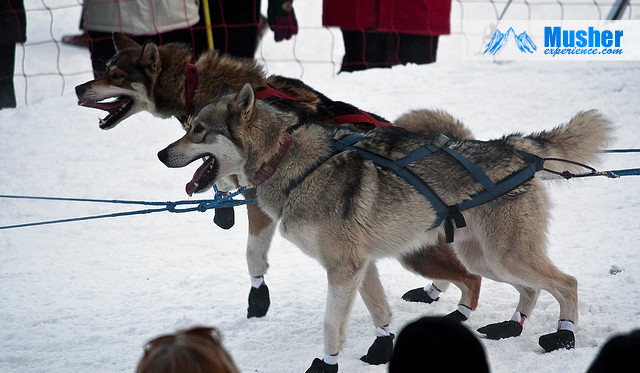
pixel 55 57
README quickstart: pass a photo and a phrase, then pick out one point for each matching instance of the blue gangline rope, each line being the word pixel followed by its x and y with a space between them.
pixel 219 201
pixel 621 151
pixel 201 205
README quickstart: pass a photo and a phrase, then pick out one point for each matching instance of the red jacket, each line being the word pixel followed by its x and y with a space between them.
pixel 423 17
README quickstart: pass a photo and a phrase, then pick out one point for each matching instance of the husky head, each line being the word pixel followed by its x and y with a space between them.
pixel 125 88
pixel 217 134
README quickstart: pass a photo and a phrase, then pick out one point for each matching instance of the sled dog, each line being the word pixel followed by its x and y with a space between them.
pixel 373 212
pixel 161 80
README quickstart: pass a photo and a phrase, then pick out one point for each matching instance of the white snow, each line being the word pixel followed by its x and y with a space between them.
pixel 86 296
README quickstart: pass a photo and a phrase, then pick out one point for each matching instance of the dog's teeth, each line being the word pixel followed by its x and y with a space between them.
pixel 195 184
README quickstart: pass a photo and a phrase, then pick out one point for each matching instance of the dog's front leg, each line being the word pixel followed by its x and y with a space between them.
pixel 344 279
pixel 374 298
pixel 261 230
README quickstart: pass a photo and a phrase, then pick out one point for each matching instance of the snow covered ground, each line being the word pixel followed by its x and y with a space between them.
pixel 86 296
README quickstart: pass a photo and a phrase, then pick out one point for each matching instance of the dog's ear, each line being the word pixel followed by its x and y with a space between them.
pixel 122 41
pixel 245 100
pixel 150 57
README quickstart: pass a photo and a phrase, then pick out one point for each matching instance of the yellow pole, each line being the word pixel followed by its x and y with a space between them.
pixel 207 21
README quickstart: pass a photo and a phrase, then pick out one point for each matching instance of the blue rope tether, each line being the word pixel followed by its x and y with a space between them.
pixel 621 151
pixel 221 201
pixel 593 172
pixel 201 205
pixel 614 174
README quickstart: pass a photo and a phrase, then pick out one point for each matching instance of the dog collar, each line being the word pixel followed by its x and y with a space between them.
pixel 190 85
pixel 267 169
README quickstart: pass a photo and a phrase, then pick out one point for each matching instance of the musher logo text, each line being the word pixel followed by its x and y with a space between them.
pixel 591 41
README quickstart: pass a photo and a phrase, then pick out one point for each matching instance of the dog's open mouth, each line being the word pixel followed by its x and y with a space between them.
pixel 204 176
pixel 117 109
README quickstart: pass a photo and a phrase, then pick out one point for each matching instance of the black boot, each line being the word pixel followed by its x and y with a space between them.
pixel 319 366
pixel 456 316
pixel 224 217
pixel 259 301
pixel 557 340
pixel 380 351
pixel 505 329
pixel 418 295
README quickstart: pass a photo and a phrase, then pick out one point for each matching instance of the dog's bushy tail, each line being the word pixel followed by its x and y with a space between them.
pixel 434 122
pixel 581 140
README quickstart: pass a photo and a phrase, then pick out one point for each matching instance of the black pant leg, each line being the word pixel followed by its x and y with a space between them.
pixel 7 67
pixel 419 49
pixel 236 26
pixel 368 49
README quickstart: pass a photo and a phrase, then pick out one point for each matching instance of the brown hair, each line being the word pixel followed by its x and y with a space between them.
pixel 195 350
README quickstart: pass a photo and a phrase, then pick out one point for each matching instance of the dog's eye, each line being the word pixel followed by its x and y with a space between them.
pixel 117 76
pixel 198 129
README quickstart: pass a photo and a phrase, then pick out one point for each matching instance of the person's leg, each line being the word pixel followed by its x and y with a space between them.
pixel 236 26
pixel 364 50
pixel 102 49
pixel 419 49
pixel 7 66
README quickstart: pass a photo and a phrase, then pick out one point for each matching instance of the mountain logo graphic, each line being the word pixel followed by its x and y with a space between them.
pixel 498 40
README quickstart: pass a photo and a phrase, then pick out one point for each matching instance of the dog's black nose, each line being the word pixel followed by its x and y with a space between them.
pixel 80 89
pixel 162 155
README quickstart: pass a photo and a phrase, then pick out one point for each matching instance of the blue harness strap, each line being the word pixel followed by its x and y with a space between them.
pixel 535 164
pixel 448 214
pixel 442 210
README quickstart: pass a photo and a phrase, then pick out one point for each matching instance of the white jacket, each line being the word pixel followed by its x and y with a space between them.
pixel 140 17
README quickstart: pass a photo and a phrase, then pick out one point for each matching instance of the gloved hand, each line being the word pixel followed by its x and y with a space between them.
pixel 282 19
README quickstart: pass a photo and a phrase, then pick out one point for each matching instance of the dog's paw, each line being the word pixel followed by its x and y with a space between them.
pixel 456 316
pixel 505 329
pixel 380 351
pixel 557 340
pixel 418 295
pixel 224 217
pixel 319 366
pixel 259 301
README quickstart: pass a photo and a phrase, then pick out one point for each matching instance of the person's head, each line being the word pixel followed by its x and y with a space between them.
pixel 620 354
pixel 435 340
pixel 195 350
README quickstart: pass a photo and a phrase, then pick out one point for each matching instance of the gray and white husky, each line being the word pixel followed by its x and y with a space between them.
pixel 346 211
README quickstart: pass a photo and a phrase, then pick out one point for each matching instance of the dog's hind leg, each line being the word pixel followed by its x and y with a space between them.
pixel 441 263
pixel 564 288
pixel 374 298
pixel 261 230
pixel 513 327
pixel 514 251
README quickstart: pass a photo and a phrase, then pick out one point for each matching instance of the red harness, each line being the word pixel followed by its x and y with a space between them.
pixel 268 92
pixel 363 116
pixel 264 93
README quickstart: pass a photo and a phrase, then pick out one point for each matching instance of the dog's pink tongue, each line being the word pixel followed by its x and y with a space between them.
pixel 191 186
